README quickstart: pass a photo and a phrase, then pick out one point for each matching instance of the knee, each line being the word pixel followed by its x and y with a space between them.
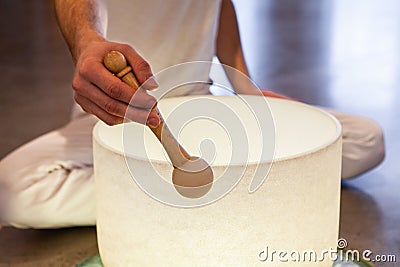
pixel 41 196
pixel 363 147
pixel 377 142
pixel 22 190
pixel 373 144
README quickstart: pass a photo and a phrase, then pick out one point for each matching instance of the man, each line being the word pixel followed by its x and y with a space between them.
pixel 49 181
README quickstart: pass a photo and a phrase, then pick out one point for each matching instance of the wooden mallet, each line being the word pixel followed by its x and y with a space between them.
pixel 192 176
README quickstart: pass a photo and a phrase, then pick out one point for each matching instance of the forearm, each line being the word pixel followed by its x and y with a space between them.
pixel 230 53
pixel 81 22
pixel 229 50
pixel 96 89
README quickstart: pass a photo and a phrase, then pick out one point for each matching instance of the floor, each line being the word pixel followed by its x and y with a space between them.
pixel 344 54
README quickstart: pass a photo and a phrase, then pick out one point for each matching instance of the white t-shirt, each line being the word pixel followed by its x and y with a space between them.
pixel 168 32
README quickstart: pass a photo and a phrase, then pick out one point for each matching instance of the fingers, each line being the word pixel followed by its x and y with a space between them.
pixel 114 112
pixel 275 95
pixel 101 93
pixel 92 108
pixel 141 69
pixel 113 86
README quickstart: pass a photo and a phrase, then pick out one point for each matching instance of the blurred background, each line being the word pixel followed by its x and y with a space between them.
pixel 343 54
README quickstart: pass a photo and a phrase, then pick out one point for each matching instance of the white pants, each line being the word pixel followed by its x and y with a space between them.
pixel 48 182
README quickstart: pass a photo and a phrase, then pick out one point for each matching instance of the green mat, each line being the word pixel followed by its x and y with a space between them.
pixel 96 262
pixel 92 262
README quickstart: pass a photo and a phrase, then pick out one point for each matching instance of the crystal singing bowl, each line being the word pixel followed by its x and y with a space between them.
pixel 276 186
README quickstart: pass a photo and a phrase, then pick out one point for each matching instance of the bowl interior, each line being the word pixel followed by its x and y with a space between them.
pixel 228 130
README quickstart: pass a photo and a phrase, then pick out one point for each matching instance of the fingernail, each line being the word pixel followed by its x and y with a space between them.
pixel 153 122
pixel 151 84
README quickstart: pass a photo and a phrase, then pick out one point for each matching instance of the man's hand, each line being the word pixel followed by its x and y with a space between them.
pixel 101 93
pixel 276 95
pixel 83 25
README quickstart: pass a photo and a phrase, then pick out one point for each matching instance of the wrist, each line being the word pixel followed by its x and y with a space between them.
pixel 85 39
